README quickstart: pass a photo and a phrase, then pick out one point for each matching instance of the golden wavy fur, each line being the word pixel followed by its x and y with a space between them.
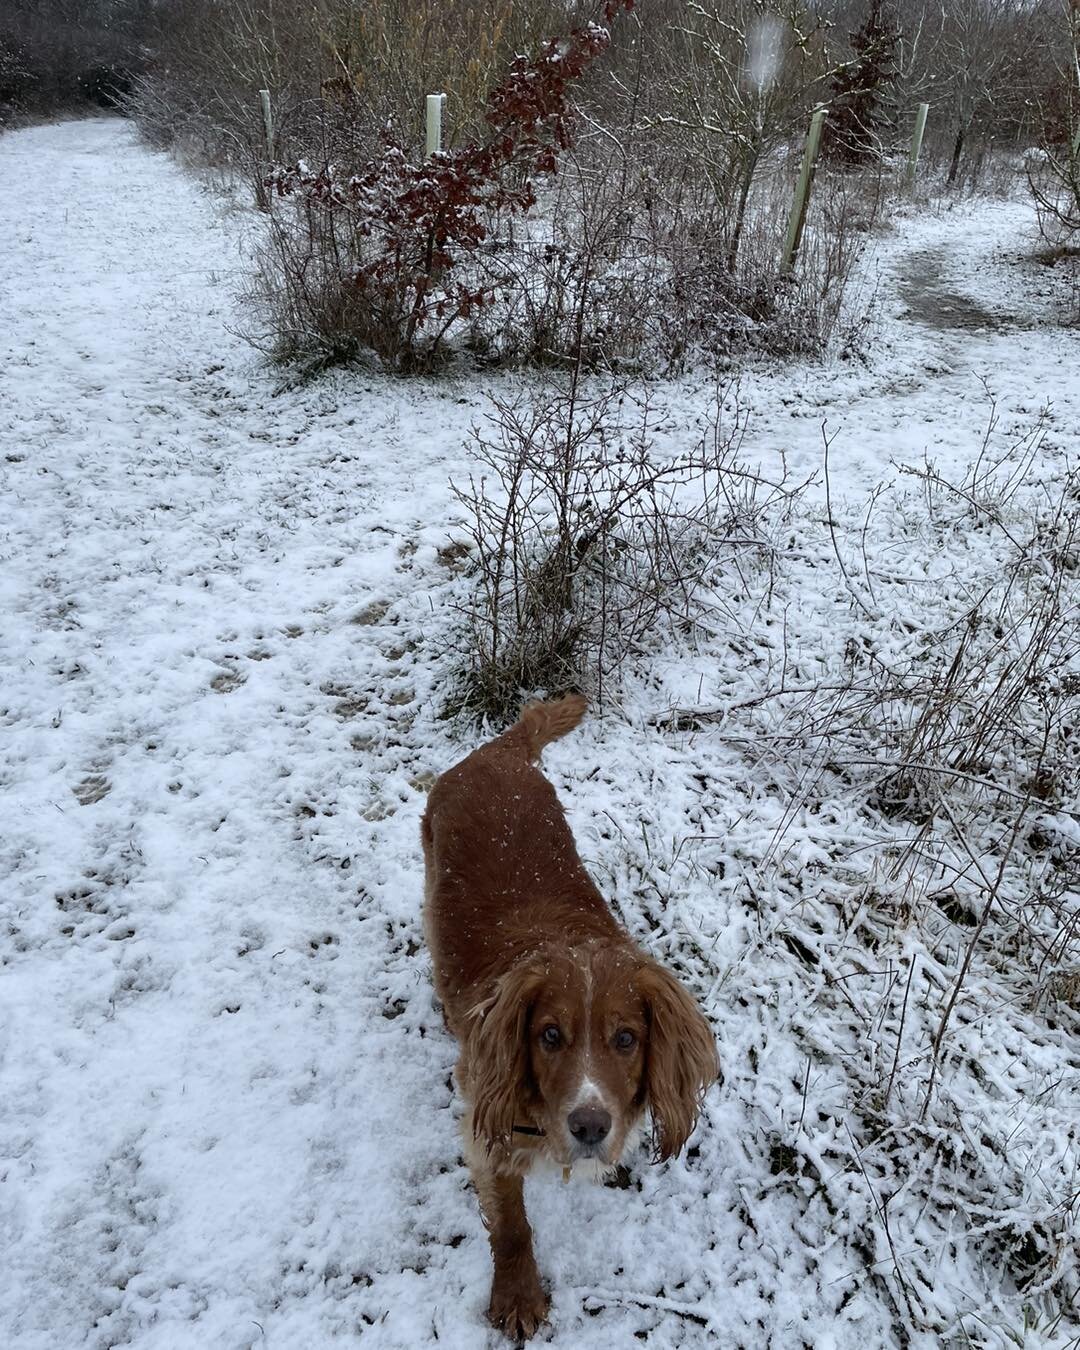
pixel 569 1033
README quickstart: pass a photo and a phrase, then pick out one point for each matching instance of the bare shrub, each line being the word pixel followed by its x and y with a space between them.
pixel 589 546
pixel 1054 180
pixel 639 275
pixel 359 65
pixel 966 708
pixel 380 258
pixel 1053 166
pixel 384 56
pixel 957 714
pixel 969 732
pixel 627 259
pixel 56 56
pixel 1054 172
pixel 928 718
pixel 200 92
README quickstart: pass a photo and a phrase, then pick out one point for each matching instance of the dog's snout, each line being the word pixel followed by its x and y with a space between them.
pixel 589 1124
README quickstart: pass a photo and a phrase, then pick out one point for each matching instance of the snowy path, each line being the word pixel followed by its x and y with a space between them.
pixel 199 1007
pixel 225 1111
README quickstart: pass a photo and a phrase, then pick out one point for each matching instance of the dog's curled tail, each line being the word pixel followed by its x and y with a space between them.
pixel 541 723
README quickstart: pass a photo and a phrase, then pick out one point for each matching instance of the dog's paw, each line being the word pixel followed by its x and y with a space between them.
pixel 519 1306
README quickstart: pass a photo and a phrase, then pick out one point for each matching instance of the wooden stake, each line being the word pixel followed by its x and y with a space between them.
pixel 268 122
pixel 916 143
pixel 802 194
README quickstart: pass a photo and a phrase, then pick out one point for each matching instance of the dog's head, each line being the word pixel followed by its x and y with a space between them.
pixel 578 1044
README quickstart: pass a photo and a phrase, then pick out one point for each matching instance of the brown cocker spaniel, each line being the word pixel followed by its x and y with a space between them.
pixel 568 1030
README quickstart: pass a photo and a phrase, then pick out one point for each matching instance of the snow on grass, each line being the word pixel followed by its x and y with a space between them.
pixel 226 1112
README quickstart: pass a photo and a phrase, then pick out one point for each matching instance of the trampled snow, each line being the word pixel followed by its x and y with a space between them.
pixel 226 1109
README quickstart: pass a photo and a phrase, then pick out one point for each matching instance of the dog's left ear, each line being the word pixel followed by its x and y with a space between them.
pixel 681 1059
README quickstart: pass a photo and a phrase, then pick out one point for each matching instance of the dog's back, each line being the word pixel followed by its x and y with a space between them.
pixel 501 864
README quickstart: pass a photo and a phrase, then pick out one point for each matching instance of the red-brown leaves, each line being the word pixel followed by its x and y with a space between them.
pixel 418 222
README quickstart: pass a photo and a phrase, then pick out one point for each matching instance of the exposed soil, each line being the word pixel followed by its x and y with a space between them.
pixel 928 290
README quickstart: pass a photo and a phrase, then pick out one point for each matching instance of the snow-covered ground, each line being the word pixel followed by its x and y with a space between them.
pixel 226 1112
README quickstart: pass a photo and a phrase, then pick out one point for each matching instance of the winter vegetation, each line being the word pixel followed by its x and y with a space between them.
pixel 320 452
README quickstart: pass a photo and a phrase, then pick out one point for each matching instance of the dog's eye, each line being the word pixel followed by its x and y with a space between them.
pixel 550 1038
pixel 625 1039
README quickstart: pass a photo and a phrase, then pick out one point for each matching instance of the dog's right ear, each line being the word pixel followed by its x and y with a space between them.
pixel 498 1054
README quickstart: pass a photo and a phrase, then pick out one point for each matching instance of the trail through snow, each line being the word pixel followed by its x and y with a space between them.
pixel 226 1112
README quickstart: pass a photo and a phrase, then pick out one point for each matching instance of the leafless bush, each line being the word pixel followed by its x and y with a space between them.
pixel 589 546
pixel 387 257
pixel 629 271
pixel 606 270
pixel 1054 172
pixel 339 73
pixel 722 85
pixel 1054 180
pixel 385 55
pixel 61 57
pixel 975 733
pixel 307 312
pixel 666 252
pixel 957 714
pixel 665 231
pixel 987 701
pixel 928 718
pixel 1053 167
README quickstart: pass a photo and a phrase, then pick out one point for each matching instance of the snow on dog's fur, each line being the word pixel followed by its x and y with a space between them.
pixel 568 1030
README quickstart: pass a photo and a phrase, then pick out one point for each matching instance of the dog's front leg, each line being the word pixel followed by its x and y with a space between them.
pixel 518 1302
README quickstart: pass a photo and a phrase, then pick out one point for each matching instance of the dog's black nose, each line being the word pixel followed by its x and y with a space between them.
pixel 589 1124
